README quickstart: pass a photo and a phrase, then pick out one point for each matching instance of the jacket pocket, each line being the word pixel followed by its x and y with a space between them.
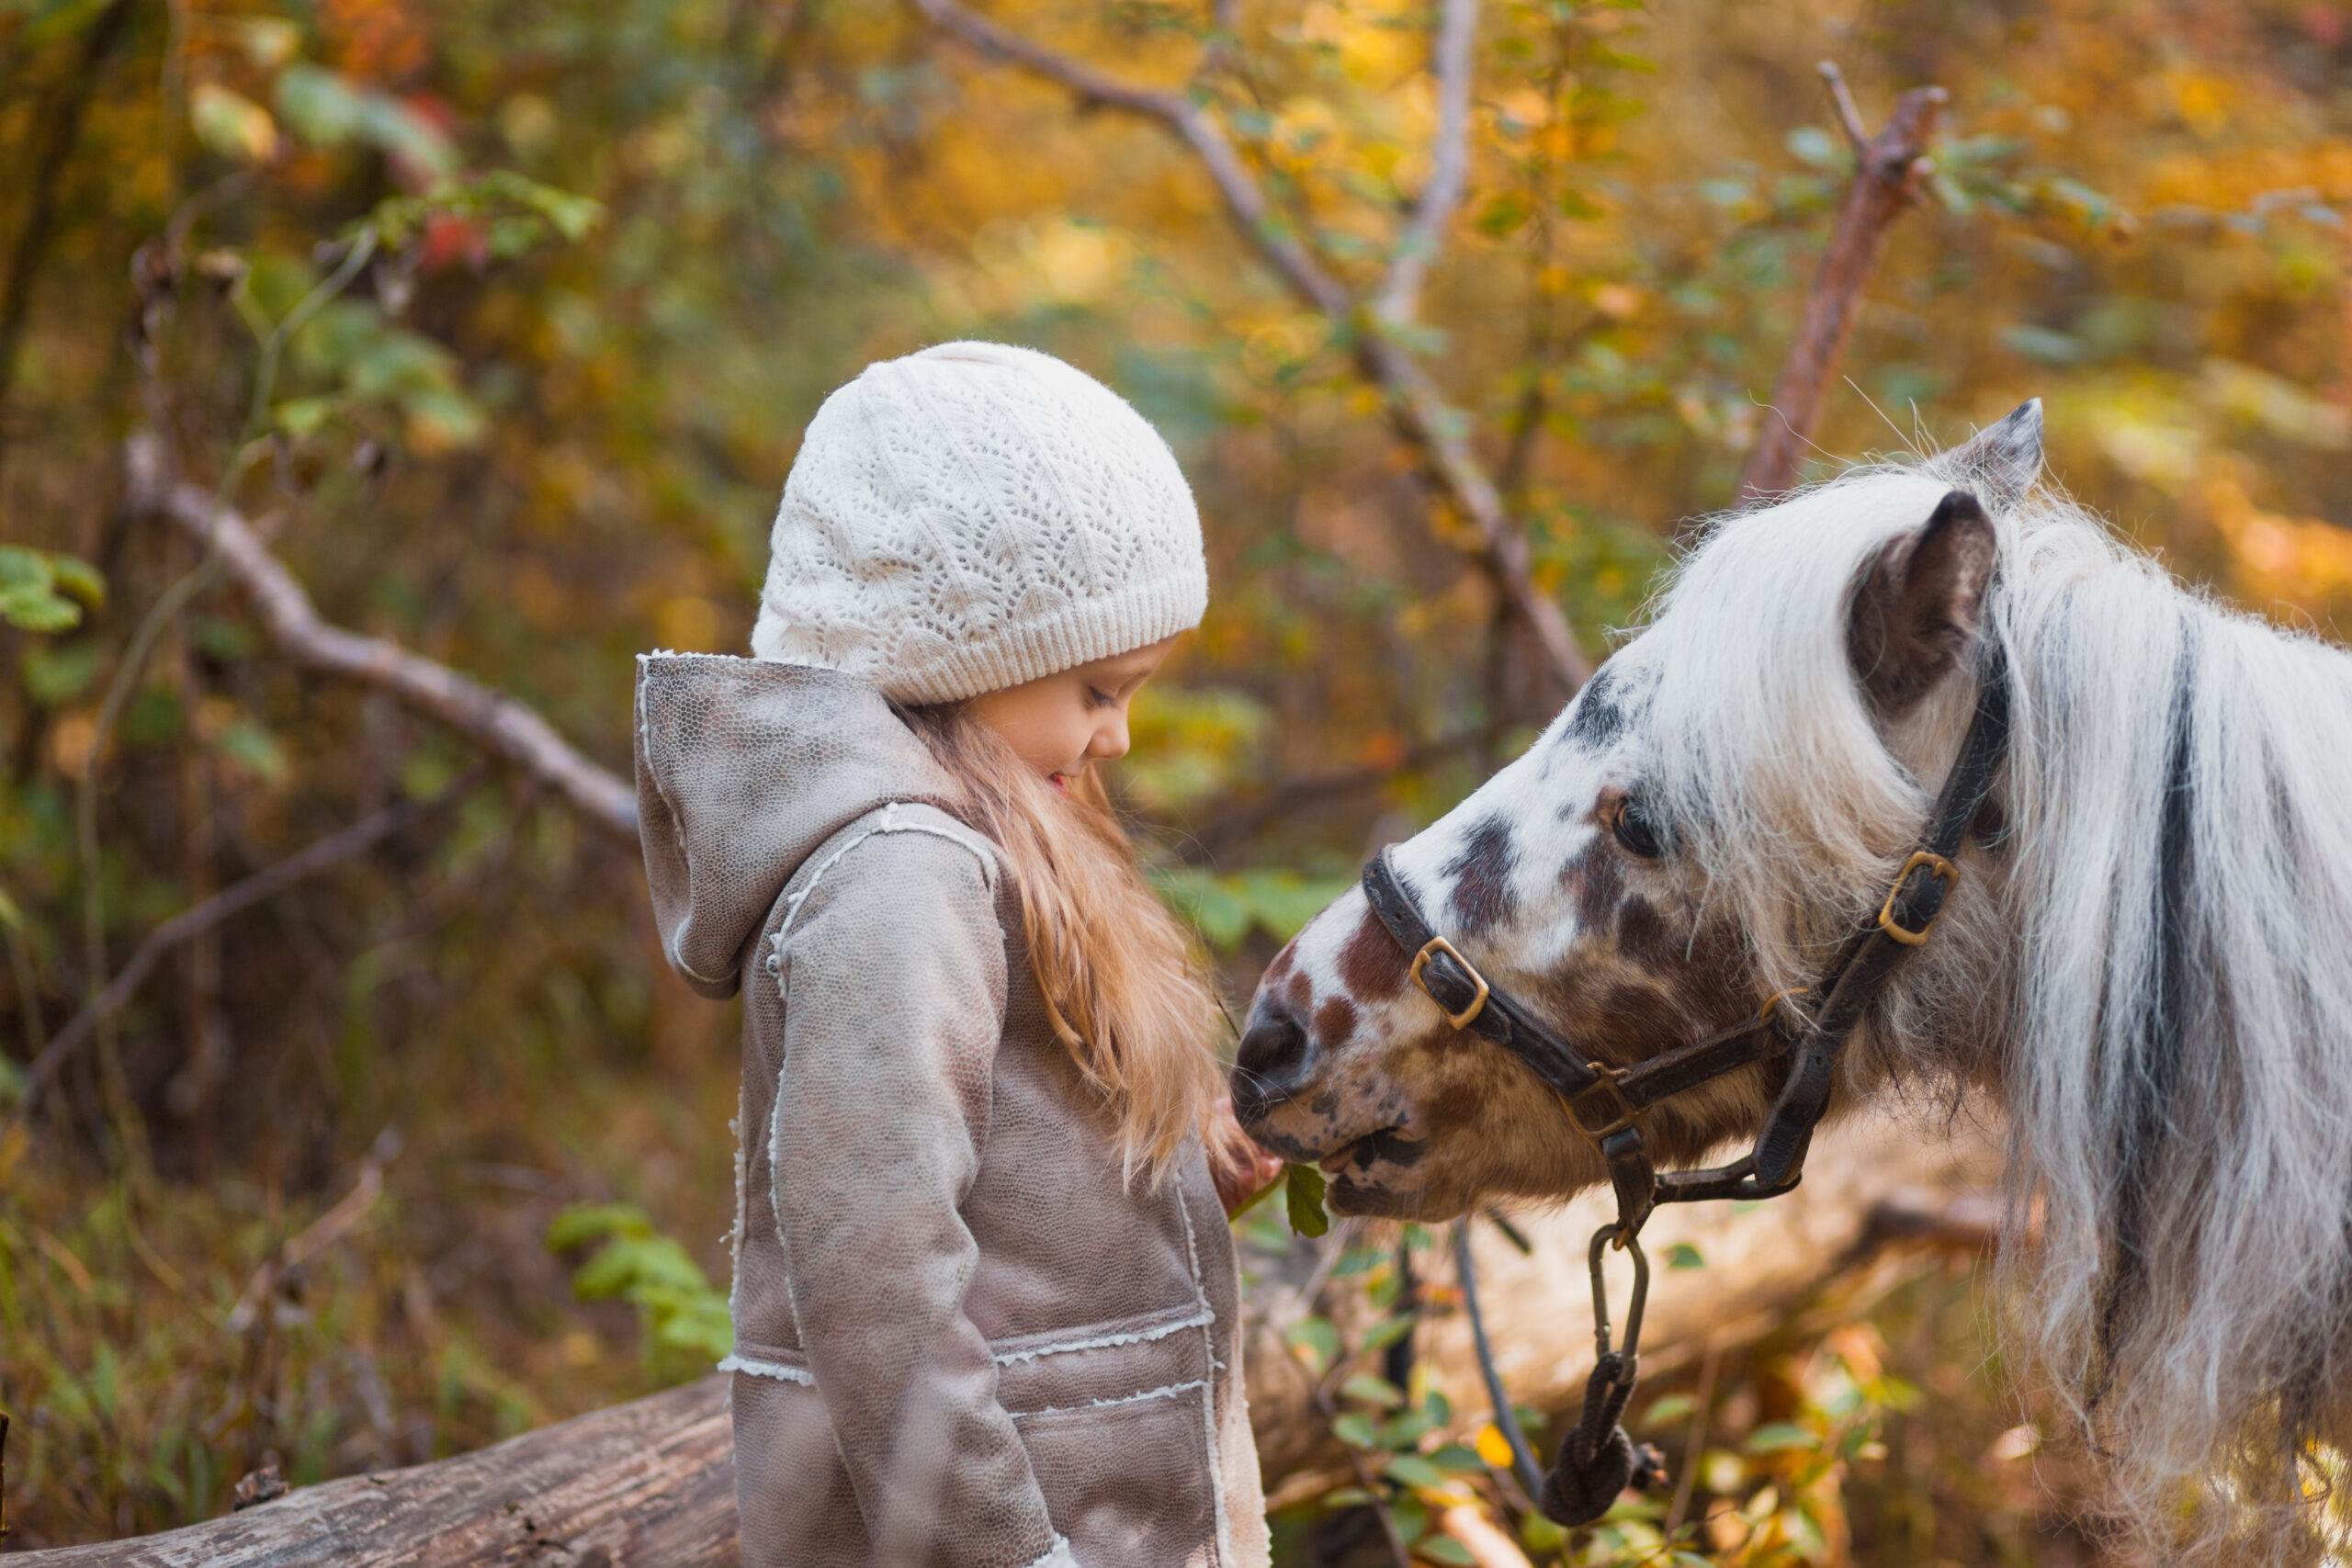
pixel 1129 1481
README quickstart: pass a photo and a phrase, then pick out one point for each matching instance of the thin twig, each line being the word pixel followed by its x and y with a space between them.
pixel 485 716
pixel 1691 1445
pixel 1850 116
pixel 331 850
pixel 1525 1468
pixel 1451 57
pixel 1239 822
pixel 1887 171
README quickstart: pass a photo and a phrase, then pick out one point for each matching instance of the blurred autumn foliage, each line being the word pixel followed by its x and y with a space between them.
pixel 499 320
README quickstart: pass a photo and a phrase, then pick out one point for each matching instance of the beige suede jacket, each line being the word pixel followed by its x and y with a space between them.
pixel 960 1339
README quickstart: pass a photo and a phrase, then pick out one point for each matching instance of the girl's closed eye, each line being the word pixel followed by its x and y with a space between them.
pixel 1096 697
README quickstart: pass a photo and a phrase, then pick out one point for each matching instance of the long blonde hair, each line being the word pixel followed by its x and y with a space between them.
pixel 1124 990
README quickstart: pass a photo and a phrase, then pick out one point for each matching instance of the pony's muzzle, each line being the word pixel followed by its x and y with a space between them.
pixel 1271 1061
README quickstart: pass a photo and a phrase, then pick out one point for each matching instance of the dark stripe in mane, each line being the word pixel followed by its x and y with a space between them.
pixel 2152 1080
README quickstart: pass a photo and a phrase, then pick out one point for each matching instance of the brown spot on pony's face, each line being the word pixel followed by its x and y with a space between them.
pixel 1555 884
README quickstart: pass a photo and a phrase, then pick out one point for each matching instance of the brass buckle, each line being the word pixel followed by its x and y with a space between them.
pixel 1625 1115
pixel 1937 867
pixel 1422 961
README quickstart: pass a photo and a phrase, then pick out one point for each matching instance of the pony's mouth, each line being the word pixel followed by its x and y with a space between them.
pixel 1382 1144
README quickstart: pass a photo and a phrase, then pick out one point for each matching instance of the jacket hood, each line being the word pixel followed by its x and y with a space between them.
pixel 744 768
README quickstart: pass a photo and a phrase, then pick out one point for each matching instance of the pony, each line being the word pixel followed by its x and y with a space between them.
pixel 2146 963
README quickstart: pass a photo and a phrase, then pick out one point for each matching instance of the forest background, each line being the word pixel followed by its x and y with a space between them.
pixel 499 321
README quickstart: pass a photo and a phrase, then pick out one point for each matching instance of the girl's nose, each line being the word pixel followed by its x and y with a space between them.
pixel 1109 737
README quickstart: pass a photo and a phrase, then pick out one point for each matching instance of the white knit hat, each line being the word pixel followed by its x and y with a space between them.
pixel 973 516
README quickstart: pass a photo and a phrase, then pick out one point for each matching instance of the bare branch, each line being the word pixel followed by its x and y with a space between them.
pixel 489 717
pixel 196 920
pixel 1451 54
pixel 1887 172
pixel 1421 411
pixel 1850 116
pixel 1233 825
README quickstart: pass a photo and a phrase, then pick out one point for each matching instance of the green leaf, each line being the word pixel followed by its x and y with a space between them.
pixel 1386 1332
pixel 1373 1390
pixel 1445 1549
pixel 1780 1436
pixel 244 742
pixel 1682 1255
pixel 1458 1458
pixel 1354 1428
pixel 1318 1337
pixel 1541 1536
pixel 55 676
pixel 1304 1196
pixel 1347 1497
pixel 78 577
pixel 1412 1469
pixel 1406 1432
pixel 583 1223
pixel 1673 1407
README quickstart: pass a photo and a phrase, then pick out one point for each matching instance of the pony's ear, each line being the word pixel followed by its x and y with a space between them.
pixel 1919 605
pixel 2000 462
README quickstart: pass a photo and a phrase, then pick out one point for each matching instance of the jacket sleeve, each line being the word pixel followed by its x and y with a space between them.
pixel 895 996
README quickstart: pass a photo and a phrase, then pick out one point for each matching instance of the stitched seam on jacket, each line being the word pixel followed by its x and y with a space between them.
pixel 775 1109
pixel 1167 1391
pixel 776 1370
pixel 1103 1341
pixel 888 825
pixel 1209 1434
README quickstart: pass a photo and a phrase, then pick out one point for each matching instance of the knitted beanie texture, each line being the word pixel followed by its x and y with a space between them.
pixel 974 517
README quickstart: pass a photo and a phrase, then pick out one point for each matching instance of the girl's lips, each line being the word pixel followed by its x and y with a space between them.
pixel 1059 781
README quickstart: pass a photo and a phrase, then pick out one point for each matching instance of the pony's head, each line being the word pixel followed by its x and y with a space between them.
pixel 1694 833
pixel 2144 962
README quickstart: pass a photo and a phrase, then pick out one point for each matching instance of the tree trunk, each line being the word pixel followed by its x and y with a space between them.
pixel 654 1482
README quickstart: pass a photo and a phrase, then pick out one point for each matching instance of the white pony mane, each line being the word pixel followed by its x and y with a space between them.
pixel 2153 968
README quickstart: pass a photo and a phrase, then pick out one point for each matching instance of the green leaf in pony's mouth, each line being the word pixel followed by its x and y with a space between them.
pixel 1304 1191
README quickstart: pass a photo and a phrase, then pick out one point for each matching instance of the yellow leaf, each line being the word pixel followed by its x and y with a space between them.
pixel 231 125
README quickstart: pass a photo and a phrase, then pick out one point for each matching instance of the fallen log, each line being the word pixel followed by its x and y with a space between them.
pixel 648 1485
pixel 653 1483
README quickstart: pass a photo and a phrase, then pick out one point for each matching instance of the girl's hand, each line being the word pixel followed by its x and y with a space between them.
pixel 1239 1167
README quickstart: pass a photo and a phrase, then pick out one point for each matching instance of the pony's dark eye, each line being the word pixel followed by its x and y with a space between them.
pixel 1637 832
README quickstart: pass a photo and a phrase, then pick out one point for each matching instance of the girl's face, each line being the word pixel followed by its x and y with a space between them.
pixel 1061 723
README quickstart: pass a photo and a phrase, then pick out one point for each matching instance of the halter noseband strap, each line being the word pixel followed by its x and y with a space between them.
pixel 1606 1103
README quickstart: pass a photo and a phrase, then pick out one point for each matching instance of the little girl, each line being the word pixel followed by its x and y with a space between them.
pixel 984 1295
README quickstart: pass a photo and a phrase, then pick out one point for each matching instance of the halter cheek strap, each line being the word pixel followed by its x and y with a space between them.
pixel 1607 1103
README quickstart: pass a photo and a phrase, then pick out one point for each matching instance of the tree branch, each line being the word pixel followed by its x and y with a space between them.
pixel 198 919
pixel 1421 411
pixel 1451 55
pixel 489 717
pixel 1886 173
pixel 1280 800
pixel 48 161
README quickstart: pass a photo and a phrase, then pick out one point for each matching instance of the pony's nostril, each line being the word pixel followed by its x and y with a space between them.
pixel 1272 1051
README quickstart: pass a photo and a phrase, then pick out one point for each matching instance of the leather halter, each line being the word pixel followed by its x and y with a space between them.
pixel 1596 1460
pixel 1607 1103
